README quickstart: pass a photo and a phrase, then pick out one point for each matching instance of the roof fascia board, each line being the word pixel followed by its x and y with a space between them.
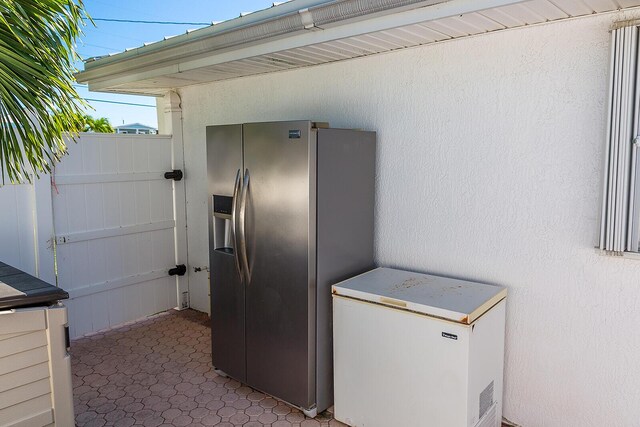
pixel 208 40
pixel 123 78
pixel 114 77
pixel 201 33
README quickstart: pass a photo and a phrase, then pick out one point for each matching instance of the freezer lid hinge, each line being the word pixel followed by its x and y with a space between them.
pixel 175 175
pixel 180 270
pixel 320 125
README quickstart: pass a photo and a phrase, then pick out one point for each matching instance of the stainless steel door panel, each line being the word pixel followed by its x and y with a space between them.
pixel 280 230
pixel 224 158
pixel 227 316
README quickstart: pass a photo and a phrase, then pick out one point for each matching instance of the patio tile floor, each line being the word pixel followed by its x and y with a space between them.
pixel 157 372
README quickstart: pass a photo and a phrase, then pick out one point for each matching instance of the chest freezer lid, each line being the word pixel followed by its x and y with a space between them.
pixel 452 299
pixel 19 289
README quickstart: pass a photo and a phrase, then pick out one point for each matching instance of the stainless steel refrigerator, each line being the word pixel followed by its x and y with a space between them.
pixel 290 214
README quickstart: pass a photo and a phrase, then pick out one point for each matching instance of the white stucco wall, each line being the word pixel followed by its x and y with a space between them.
pixel 490 154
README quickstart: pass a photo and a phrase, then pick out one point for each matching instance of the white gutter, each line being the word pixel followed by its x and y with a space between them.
pixel 285 19
pixel 243 21
pixel 294 24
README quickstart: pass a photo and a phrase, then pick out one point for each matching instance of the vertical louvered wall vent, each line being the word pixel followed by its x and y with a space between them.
pixel 618 232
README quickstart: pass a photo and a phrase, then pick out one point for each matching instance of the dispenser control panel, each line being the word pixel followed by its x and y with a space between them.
pixel 222 227
pixel 222 205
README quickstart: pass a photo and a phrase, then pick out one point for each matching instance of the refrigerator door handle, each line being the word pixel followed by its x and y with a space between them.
pixel 234 221
pixel 242 221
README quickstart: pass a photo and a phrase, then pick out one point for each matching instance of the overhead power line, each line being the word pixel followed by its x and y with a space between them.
pixel 150 22
pixel 100 47
pixel 121 103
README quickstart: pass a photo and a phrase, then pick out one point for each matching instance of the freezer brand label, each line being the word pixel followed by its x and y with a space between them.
pixel 295 134
pixel 450 336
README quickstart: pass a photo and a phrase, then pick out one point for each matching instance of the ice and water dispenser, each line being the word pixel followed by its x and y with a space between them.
pixel 222 228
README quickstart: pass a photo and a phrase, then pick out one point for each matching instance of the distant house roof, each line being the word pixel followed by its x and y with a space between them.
pixel 135 126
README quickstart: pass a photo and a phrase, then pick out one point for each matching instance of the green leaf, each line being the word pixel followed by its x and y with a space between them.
pixel 39 106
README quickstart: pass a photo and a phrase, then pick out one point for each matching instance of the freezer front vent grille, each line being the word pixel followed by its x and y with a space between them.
pixel 486 400
pixel 490 418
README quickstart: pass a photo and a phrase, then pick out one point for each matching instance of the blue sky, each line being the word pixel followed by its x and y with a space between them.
pixel 112 37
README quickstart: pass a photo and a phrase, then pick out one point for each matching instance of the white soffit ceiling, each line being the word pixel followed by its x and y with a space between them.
pixel 220 66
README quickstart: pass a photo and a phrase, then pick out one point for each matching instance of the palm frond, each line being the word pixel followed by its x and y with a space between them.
pixel 38 103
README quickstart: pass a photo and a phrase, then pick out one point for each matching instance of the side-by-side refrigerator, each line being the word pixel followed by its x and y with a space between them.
pixel 290 213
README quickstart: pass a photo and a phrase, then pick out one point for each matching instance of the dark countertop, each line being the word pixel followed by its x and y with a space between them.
pixel 29 291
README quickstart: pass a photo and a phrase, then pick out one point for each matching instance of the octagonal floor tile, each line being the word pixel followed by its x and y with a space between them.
pixel 157 372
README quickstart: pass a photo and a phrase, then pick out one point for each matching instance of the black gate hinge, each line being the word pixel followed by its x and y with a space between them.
pixel 180 270
pixel 175 175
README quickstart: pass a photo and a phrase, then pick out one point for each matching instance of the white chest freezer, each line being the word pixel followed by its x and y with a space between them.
pixel 418 350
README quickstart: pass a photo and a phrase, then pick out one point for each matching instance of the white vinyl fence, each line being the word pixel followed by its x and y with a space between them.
pixel 18 227
pixel 26 228
pixel 110 211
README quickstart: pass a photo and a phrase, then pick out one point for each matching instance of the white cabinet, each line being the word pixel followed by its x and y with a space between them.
pixel 418 350
pixel 35 368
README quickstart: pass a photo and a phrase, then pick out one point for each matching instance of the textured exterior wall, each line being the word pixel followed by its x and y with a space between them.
pixel 490 155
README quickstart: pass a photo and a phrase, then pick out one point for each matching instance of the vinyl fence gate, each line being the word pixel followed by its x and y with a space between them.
pixel 118 232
